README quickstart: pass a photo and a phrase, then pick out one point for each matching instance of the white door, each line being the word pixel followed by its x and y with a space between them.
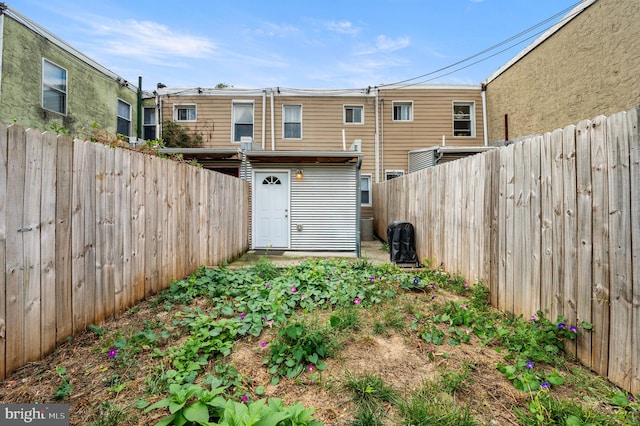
pixel 271 207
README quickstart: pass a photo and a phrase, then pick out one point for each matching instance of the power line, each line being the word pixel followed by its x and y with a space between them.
pixel 495 46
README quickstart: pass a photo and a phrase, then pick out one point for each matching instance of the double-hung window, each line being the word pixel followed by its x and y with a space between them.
pixel 54 87
pixel 242 120
pixel 365 190
pixel 392 174
pixel 184 113
pixel 464 119
pixel 124 118
pixel 292 121
pixel 353 114
pixel 403 111
pixel 149 125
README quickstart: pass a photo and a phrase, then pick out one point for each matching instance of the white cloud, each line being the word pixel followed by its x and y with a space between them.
pixel 343 27
pixel 150 41
pixel 386 44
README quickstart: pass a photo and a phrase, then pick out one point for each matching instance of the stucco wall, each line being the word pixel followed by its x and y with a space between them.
pixel 589 67
pixel 91 95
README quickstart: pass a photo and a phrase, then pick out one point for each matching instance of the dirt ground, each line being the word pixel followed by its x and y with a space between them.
pixel 400 358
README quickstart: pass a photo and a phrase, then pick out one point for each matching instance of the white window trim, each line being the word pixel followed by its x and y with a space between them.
pixel 130 119
pixel 367 175
pixel 283 122
pixel 393 105
pixel 233 118
pixel 388 171
pixel 176 107
pixel 344 114
pixel 473 118
pixel 66 92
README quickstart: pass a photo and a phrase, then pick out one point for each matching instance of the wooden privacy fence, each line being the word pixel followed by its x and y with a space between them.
pixel 549 223
pixel 87 230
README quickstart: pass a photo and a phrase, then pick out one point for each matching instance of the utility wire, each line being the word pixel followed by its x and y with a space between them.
pixel 495 46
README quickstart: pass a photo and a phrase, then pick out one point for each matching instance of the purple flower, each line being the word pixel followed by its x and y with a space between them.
pixel 529 364
pixel 533 318
pixel 112 353
pixel 293 289
pixel 545 385
pixel 416 281
pixel 573 329
pixel 263 344
pixel 631 399
pixel 310 368
pixel 562 326
pixel 242 316
pixel 373 278
pixel 303 296
pixel 466 284
pixel 357 301
pixel 244 398
pixel 267 285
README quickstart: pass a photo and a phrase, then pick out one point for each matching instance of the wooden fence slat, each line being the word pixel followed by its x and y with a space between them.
pixel 14 269
pixel 89 173
pixel 101 234
pixel 620 341
pixel 518 235
pixel 3 246
pixel 570 231
pixel 509 229
pixel 492 206
pixel 600 293
pixel 48 244
pixel 31 241
pixel 64 249
pixel 557 200
pixel 138 235
pixel 546 224
pixel 633 123
pixel 123 246
pixel 584 237
pixel 151 225
pixel 77 241
pixel 535 214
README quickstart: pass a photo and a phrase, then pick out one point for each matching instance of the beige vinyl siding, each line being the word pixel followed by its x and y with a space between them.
pixel 214 118
pixel 432 118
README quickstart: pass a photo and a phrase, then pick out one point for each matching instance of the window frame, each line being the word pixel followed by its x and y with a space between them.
pixel 352 106
pixel 401 103
pixel 284 122
pixel 369 178
pixel 119 117
pixel 187 107
pixel 233 119
pixel 395 172
pixel 65 92
pixel 146 125
pixel 471 119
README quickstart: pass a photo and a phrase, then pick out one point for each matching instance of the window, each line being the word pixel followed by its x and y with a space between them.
pixel 403 111
pixel 54 87
pixel 242 121
pixel 353 114
pixel 464 119
pixel 149 124
pixel 292 121
pixel 184 113
pixel 124 118
pixel 365 190
pixel 392 174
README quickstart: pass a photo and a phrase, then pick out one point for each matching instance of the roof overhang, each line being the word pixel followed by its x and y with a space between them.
pixel 201 154
pixel 308 157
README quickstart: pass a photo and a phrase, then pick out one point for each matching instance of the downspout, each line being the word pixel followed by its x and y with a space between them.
pixel 139 129
pixel 264 117
pixel 484 114
pixel 377 140
pixel 273 126
pixel 358 206
pixel 159 123
pixel 382 134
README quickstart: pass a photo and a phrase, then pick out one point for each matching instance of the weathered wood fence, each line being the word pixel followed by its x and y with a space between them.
pixel 549 223
pixel 87 230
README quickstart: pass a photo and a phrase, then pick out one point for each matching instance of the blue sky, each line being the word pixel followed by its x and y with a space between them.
pixel 296 44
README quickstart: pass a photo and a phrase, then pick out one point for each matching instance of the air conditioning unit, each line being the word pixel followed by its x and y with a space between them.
pixel 246 143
